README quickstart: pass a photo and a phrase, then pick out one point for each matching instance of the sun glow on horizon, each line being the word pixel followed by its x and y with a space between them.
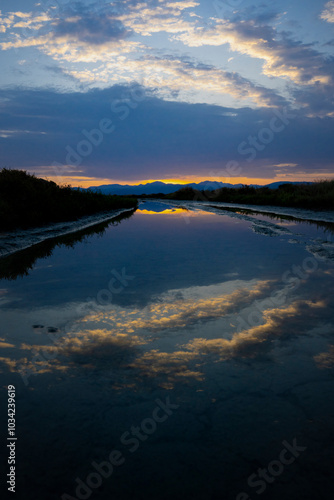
pixel 168 211
pixel 86 182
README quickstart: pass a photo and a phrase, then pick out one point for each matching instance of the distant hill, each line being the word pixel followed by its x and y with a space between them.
pixel 167 188
pixel 155 187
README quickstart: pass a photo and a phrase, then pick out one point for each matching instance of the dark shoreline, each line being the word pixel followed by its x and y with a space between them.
pixel 315 196
pixel 38 243
pixel 29 202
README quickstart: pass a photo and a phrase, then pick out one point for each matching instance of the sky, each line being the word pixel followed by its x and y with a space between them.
pixel 98 92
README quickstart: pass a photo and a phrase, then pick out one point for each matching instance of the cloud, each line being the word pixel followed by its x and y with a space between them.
pixel 26 20
pixel 152 137
pixel 170 76
pixel 79 36
pixel 79 32
pixel 284 57
pixel 83 36
pixel 309 73
pixel 325 359
pixel 65 48
pixel 90 29
pixel 328 13
pixel 317 100
pixel 95 24
pixel 75 33
pixel 126 342
pixel 115 38
pixel 114 337
pixel 164 17
pixel 276 323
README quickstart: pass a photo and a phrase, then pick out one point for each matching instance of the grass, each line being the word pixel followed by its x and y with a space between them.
pixel 27 201
pixel 318 195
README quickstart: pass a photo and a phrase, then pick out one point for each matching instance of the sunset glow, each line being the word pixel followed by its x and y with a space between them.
pixel 93 182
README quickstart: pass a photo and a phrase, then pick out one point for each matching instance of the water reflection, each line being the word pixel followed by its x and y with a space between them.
pixel 18 264
pixel 160 208
pixel 167 211
pixel 325 360
pixel 284 219
pixel 209 322
pixel 162 343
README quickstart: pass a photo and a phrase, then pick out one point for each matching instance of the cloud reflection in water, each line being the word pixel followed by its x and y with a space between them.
pixel 164 342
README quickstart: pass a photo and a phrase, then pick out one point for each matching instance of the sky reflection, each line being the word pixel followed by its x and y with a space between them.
pixel 233 324
pixel 230 306
pixel 162 343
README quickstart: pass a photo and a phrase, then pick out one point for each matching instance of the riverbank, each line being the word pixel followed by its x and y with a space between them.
pixel 315 196
pixel 17 240
pixel 27 201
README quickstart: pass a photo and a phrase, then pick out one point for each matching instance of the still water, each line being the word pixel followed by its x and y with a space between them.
pixel 183 353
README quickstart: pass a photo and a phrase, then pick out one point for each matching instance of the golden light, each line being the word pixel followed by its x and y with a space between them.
pixel 86 182
pixel 169 211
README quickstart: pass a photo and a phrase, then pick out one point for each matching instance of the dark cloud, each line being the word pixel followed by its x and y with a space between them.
pixel 316 99
pixel 305 57
pixel 152 138
pixel 91 23
pixel 91 28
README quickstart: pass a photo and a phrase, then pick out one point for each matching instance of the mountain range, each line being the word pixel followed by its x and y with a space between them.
pixel 167 188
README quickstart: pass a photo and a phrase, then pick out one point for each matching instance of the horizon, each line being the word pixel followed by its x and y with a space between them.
pixel 196 180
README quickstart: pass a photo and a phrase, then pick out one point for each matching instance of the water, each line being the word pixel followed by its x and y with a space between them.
pixel 173 354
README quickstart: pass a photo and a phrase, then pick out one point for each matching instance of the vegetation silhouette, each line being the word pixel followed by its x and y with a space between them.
pixel 315 196
pixel 27 201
